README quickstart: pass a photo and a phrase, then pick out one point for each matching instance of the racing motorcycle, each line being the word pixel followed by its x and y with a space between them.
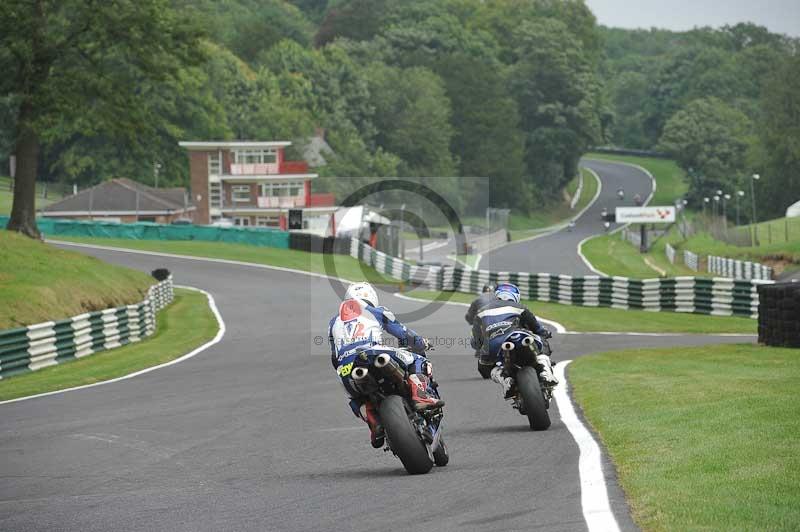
pixel 414 437
pixel 528 394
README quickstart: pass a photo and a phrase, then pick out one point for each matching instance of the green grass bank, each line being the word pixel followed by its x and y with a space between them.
pixel 39 282
pixel 184 325
pixel 702 438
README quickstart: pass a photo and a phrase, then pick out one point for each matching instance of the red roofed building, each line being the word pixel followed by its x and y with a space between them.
pixel 252 184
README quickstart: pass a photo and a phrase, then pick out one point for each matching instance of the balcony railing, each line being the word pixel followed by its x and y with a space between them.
pixel 285 167
pixel 255 169
pixel 272 202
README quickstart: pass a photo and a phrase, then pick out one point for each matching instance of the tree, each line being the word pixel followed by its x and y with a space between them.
pixel 711 138
pixel 412 117
pixel 559 101
pixel 779 140
pixel 87 61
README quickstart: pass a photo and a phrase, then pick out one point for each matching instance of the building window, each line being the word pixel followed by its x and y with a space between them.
pixel 256 156
pixel 214 164
pixel 241 193
pixel 268 221
pixel 215 194
pixel 242 221
pixel 292 188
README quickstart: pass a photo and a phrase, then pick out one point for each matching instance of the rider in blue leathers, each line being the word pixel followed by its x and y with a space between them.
pixel 360 323
pixel 495 321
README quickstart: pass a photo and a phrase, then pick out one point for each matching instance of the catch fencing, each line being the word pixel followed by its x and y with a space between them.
pixel 699 295
pixel 738 269
pixel 46 344
pixel 691 260
pixel 264 237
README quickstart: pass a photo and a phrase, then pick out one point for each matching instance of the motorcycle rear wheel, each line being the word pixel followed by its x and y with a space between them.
pixel 440 456
pixel 403 439
pixel 532 398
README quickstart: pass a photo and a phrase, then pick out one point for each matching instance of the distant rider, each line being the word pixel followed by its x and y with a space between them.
pixel 361 323
pixel 495 322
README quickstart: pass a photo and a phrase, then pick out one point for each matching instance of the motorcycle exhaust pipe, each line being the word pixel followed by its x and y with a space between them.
pixel 527 341
pixel 390 368
pixel 359 373
pixel 507 346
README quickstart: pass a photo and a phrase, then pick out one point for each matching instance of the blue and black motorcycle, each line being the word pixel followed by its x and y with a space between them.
pixel 528 395
pixel 414 437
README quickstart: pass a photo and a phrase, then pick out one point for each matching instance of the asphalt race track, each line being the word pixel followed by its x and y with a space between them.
pixel 255 434
pixel 557 252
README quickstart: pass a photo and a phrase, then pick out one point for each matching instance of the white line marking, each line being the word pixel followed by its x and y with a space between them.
pixel 621 227
pixel 216 339
pixel 557 326
pixel 594 493
pixel 202 259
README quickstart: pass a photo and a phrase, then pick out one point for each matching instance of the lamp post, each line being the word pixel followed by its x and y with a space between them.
pixel 716 205
pixel 725 199
pixel 754 234
pixel 706 200
pixel 156 168
pixel 739 194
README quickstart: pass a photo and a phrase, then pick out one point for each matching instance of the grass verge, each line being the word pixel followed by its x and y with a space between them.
pixel 613 255
pixel 346 267
pixel 704 244
pixel 186 324
pixel 41 283
pixel 7 197
pixel 671 181
pixel 702 438
pixel 599 319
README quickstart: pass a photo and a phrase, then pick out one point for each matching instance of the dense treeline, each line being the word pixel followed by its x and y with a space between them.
pixel 724 102
pixel 506 89
pixel 514 90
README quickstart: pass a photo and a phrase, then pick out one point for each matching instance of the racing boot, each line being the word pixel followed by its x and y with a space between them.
pixel 499 376
pixel 376 433
pixel 546 374
pixel 420 398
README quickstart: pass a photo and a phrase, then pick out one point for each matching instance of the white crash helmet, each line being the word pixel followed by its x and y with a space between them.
pixel 363 291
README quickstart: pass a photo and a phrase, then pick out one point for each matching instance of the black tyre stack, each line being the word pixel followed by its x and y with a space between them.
pixel 779 314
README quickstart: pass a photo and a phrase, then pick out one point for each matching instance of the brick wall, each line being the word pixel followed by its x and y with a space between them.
pixel 198 172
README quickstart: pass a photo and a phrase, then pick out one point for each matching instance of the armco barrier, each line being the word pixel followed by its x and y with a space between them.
pixel 738 269
pixel 46 344
pixel 51 227
pixel 700 295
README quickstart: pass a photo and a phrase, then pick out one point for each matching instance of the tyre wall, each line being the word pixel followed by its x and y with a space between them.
pixel 779 314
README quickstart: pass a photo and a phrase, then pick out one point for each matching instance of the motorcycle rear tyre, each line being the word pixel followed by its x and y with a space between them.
pixel 532 398
pixel 403 439
pixel 440 456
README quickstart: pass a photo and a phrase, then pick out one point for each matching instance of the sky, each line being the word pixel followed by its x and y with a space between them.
pixel 779 16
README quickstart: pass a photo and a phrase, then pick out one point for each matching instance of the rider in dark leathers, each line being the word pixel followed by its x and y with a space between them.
pixel 492 325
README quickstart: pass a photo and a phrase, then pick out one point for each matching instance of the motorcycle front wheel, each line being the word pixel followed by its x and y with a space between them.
pixel 532 398
pixel 440 456
pixel 403 439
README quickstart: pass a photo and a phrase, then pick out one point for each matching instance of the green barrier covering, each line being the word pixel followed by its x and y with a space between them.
pixel 150 231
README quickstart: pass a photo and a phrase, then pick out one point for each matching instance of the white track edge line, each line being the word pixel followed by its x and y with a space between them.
pixel 620 228
pixel 547 231
pixel 220 333
pixel 204 259
pixel 594 492
pixel 557 326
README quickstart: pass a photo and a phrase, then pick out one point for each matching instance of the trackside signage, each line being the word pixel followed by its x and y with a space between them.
pixel 645 215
